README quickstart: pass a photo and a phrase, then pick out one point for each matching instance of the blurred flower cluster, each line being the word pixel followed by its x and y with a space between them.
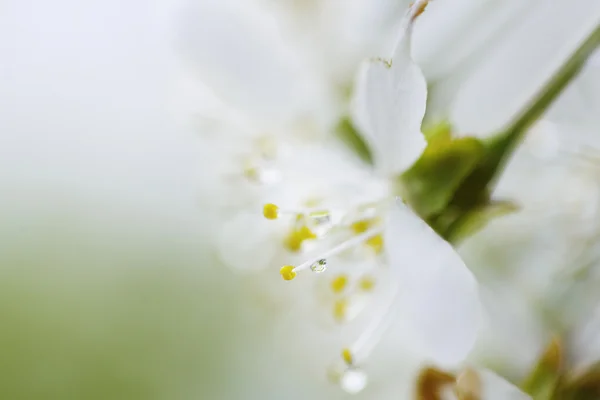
pixel 290 199
pixel 336 150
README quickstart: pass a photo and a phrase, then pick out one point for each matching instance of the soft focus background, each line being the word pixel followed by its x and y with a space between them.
pixel 109 286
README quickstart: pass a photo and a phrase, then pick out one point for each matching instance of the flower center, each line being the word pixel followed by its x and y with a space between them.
pixel 351 237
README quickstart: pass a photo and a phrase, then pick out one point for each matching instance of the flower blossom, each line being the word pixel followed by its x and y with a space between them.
pixel 334 215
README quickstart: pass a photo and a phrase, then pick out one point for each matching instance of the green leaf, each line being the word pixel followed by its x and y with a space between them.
pixel 501 147
pixel 542 383
pixel 350 136
pixel 476 219
pixel 429 185
pixel 440 130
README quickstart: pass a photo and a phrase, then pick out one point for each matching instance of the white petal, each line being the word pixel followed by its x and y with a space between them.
pixel 439 294
pixel 585 342
pixel 239 49
pixel 389 106
pixel 505 81
pixel 578 104
pixel 452 32
pixel 485 384
pixel 354 30
pixel 247 242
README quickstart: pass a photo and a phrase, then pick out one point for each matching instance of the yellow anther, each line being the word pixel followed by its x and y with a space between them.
pixel 347 356
pixel 340 308
pixel 252 173
pixel 338 284
pixel 295 239
pixel 305 233
pixel 361 226
pixel 366 283
pixel 376 243
pixel 287 272
pixel 270 211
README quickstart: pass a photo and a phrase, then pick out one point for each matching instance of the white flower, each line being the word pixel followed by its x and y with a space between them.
pixel 258 57
pixel 485 384
pixel 538 267
pixel 332 212
pixel 485 60
pixel 468 383
pixel 583 341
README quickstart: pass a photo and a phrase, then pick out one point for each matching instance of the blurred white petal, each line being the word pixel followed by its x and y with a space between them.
pixel 240 51
pixel 389 106
pixel 585 342
pixel 505 81
pixel 578 104
pixel 452 32
pixel 358 29
pixel 512 335
pixel 247 242
pixel 486 385
pixel 339 34
pixel 439 294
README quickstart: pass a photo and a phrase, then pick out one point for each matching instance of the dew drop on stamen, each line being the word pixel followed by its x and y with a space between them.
pixel 320 222
pixel 319 266
pixel 321 218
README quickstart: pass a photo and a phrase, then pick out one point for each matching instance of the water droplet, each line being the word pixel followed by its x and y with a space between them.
pixel 319 266
pixel 320 222
pixel 353 380
pixel 321 217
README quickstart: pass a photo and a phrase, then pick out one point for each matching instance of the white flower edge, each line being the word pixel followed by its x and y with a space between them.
pixel 584 343
pixel 240 50
pixel 481 383
pixel 389 104
pixel 439 296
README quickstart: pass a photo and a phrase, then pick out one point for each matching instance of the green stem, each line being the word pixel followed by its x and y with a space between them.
pixel 475 190
pixel 514 133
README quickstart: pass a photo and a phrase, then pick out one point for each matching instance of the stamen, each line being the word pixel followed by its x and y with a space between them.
pixel 319 216
pixel 366 283
pixel 347 356
pixel 339 283
pixel 319 266
pixel 297 236
pixel 349 307
pixel 369 338
pixel 340 310
pixel 287 272
pixel 270 211
pixel 339 248
pixel 417 8
pixel 363 224
pixel 376 243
